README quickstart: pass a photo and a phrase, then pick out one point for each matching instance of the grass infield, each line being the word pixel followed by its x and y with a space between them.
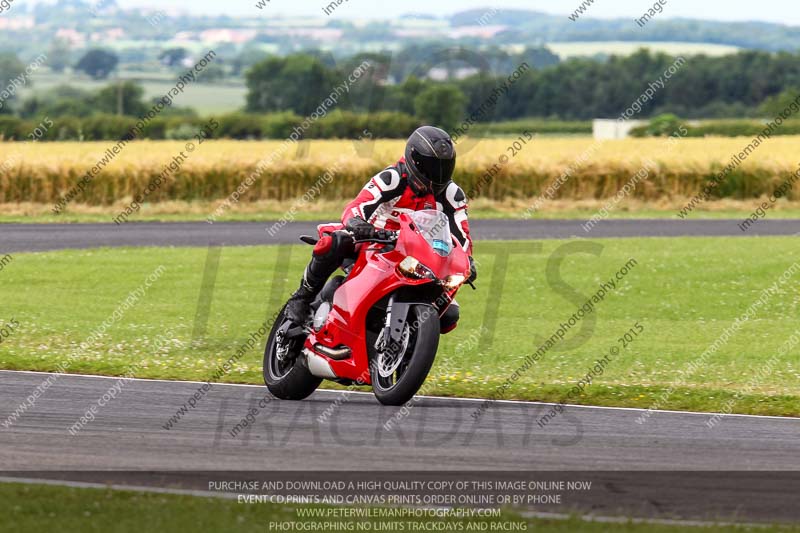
pixel 44 508
pixel 684 293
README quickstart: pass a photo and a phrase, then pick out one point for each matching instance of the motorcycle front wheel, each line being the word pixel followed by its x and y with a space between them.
pixel 395 380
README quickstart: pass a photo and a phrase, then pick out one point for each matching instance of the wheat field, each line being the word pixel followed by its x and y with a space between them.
pixel 44 172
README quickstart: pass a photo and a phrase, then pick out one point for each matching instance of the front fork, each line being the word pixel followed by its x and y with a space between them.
pixel 396 315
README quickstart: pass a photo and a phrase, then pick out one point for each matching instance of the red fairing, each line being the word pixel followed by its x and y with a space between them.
pixel 387 195
pixel 374 276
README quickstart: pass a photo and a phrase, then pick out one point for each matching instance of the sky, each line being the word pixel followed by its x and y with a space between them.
pixel 780 11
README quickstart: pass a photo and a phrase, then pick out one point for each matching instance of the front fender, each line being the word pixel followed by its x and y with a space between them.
pixel 398 317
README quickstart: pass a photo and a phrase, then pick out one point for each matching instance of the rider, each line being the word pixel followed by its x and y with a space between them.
pixel 420 180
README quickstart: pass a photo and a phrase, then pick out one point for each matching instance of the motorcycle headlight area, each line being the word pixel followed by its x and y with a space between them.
pixel 412 268
pixel 453 282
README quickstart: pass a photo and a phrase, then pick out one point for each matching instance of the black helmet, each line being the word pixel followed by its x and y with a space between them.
pixel 430 158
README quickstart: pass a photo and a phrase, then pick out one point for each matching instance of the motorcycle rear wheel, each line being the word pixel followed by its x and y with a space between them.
pixel 406 380
pixel 288 379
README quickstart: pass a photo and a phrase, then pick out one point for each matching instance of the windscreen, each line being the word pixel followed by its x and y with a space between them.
pixel 435 227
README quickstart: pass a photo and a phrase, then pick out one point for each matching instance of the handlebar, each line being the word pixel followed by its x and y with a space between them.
pixel 390 240
pixel 377 241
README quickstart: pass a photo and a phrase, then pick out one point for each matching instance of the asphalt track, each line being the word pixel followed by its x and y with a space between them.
pixel 671 467
pixel 41 237
pixel 128 436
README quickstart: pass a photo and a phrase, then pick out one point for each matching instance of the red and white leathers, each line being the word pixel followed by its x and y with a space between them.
pixel 388 194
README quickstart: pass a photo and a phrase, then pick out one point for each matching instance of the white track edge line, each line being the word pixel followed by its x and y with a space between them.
pixel 335 391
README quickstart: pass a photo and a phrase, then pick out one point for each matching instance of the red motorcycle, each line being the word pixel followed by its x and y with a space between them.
pixel 377 325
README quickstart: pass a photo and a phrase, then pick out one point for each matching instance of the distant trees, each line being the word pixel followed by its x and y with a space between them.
pixel 212 73
pixel 125 98
pixel 775 105
pixel 665 125
pixel 419 59
pixel 173 57
pixel 700 86
pixel 403 97
pixel 11 68
pixel 246 59
pixel 296 83
pixel 442 105
pixel 62 100
pixel 97 63
pixel 392 82
pixel 743 85
pixel 58 56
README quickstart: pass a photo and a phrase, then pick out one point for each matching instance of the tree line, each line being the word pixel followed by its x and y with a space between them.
pixel 448 86
pixel 731 86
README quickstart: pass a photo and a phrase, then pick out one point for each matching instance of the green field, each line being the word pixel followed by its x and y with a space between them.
pixel 683 292
pixel 625 48
pixel 47 509
pixel 205 98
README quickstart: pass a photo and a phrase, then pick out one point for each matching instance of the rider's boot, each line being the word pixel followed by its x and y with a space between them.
pixel 298 308
pixel 299 305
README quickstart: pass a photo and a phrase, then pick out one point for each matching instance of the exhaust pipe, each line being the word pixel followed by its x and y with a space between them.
pixel 337 354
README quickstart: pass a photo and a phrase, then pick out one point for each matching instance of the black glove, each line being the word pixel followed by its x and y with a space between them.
pixel 360 228
pixel 363 230
pixel 384 234
pixel 473 272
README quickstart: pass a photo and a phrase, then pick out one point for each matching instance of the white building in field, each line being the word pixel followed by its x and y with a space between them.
pixel 610 128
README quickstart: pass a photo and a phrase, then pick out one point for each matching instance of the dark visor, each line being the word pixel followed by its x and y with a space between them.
pixel 435 169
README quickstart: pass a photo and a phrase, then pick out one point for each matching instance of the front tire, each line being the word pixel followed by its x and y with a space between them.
pixel 406 380
pixel 287 379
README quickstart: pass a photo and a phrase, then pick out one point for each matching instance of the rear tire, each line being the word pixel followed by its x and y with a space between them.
pixel 399 388
pixel 290 379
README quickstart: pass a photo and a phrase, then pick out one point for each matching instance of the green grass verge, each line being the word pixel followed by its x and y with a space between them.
pixel 484 212
pixel 45 509
pixel 685 292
